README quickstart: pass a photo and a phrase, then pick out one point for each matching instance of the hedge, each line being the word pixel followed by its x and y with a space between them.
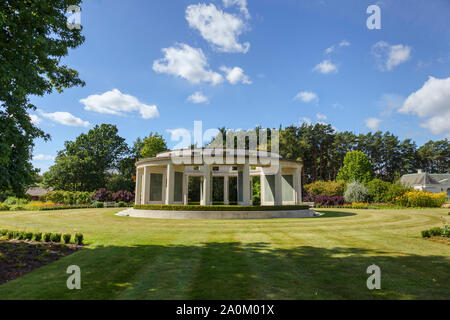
pixel 170 207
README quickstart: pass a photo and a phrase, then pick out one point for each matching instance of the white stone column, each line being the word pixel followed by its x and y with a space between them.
pixel 146 186
pixel 170 183
pixel 226 199
pixel 262 179
pixel 202 191
pixel 185 188
pixel 278 201
pixel 137 194
pixel 298 186
pixel 246 185
pixel 206 196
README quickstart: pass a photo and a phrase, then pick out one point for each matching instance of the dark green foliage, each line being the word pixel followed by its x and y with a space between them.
pixel 47 237
pixel 78 238
pixel 66 237
pixel 37 236
pixel 121 204
pixel 33 39
pixel 217 208
pixel 56 237
pixel 21 235
pixel 84 163
pixel 28 236
pixel 426 234
pixel 378 190
pixel 3 232
pixel 11 235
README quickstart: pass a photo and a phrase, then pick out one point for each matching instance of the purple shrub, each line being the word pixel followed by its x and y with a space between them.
pixel 123 195
pixel 325 200
pixel 102 195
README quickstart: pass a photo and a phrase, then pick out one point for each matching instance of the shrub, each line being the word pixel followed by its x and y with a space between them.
pixel 123 196
pixel 38 236
pixel 102 195
pixel 3 232
pixel 78 238
pixel 47 237
pixel 426 234
pixel 97 204
pixel 4 207
pixel 83 197
pixel 378 190
pixel 325 200
pixel 435 232
pixel 28 236
pixel 66 237
pixel 11 235
pixel 20 235
pixel 326 188
pixel 121 204
pixel 17 208
pixel 56 237
pixel 356 192
pixel 15 201
pixel 421 199
pixel 396 190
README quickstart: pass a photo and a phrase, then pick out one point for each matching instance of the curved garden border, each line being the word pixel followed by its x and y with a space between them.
pixel 218 212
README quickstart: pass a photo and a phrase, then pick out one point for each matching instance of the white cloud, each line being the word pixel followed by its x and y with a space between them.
pixel 326 67
pixel 305 120
pixel 432 101
pixel 64 118
pixel 188 63
pixel 235 75
pixel 242 4
pixel 372 123
pixel 182 135
pixel 389 56
pixel 198 97
pixel 329 50
pixel 217 27
pixel 116 103
pixel 35 119
pixel 44 157
pixel 344 43
pixel 306 96
pixel 321 116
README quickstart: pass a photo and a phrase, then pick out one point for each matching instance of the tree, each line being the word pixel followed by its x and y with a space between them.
pixel 84 164
pixel 33 39
pixel 356 168
pixel 434 156
pixel 152 145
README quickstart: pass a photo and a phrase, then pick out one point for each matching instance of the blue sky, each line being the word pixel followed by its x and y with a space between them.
pixel 157 66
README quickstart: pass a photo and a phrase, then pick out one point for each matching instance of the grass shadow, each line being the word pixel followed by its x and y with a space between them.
pixel 235 270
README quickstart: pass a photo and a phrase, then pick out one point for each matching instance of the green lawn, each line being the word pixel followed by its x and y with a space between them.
pixel 313 258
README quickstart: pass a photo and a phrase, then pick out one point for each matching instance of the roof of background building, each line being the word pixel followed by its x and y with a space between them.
pixel 37 191
pixel 425 178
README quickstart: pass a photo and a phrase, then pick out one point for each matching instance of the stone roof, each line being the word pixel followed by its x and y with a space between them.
pixel 37 191
pixel 424 178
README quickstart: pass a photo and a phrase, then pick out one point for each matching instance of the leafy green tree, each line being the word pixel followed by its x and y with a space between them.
pixel 85 163
pixel 152 145
pixel 356 168
pixel 434 156
pixel 33 39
